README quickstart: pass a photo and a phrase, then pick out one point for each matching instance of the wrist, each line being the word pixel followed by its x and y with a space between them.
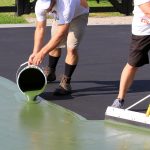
pixel 43 52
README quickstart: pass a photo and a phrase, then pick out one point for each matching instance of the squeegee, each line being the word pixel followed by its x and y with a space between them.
pixel 129 116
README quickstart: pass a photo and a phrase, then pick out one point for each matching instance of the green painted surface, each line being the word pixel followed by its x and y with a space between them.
pixel 46 126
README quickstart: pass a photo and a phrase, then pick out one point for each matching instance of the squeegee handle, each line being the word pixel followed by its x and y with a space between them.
pixel 143 99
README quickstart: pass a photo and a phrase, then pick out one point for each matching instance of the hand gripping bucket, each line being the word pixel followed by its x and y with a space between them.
pixel 31 81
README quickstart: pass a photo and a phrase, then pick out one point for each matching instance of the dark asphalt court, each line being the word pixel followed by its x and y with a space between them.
pixel 103 54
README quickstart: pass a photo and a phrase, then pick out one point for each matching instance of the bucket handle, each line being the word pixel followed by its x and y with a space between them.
pixel 23 64
pixel 20 67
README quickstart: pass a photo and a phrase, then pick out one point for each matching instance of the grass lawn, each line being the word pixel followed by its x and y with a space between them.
pixel 93 3
pixel 7 2
pixel 11 18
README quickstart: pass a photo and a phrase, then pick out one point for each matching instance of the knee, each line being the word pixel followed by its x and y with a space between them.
pixel 55 53
pixel 72 52
pixel 131 67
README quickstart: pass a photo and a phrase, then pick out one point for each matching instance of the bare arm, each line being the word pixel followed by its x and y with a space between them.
pixel 54 41
pixel 52 44
pixel 38 39
pixel 39 36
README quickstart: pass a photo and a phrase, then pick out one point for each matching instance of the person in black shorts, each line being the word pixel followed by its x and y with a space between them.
pixel 139 48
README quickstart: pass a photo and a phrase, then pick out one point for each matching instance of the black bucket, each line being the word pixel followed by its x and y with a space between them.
pixel 31 80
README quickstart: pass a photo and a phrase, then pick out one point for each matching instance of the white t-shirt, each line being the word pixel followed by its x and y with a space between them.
pixel 139 27
pixel 64 11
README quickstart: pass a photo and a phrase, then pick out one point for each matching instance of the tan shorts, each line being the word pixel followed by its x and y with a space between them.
pixel 75 34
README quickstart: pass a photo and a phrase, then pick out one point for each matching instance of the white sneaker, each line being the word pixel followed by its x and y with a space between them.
pixel 118 103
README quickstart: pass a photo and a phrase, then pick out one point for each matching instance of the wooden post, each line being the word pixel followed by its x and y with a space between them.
pixel 127 7
pixel 23 7
pixel 116 5
pixel 19 5
pixel 27 6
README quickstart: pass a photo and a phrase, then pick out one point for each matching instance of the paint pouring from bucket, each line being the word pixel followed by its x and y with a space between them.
pixel 31 81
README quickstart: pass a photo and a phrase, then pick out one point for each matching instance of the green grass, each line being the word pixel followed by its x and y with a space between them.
pixel 103 3
pixel 11 18
pixel 106 14
pixel 7 2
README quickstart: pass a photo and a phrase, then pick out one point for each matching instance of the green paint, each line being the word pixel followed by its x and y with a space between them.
pixel 31 95
pixel 46 126
pixel 127 126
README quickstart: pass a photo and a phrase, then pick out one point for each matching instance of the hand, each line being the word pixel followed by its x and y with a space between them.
pixel 30 60
pixel 37 59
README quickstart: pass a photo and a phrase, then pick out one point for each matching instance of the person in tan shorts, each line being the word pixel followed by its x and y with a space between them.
pixel 68 27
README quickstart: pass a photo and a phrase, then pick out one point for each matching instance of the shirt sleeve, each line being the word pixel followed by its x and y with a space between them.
pixel 139 2
pixel 67 12
pixel 41 14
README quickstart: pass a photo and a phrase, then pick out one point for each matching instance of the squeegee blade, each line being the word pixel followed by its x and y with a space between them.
pixel 127 116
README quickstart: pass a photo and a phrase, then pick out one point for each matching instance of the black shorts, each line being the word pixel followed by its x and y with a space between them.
pixel 139 48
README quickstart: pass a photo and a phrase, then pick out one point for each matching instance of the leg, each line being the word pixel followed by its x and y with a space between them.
pixel 74 37
pixel 138 56
pixel 70 65
pixel 126 80
pixel 71 62
pixel 72 56
pixel 53 56
pixel 51 68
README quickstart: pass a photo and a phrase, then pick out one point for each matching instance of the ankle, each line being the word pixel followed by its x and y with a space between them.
pixel 65 82
pixel 65 79
pixel 120 99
